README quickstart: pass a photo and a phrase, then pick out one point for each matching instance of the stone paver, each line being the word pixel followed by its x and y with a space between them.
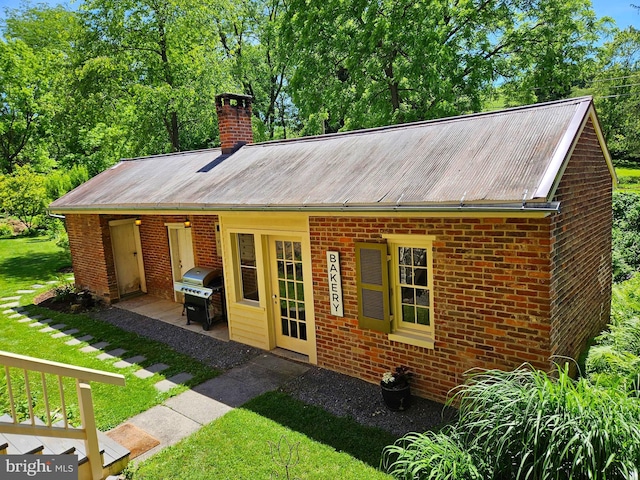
pixel 9 299
pixel 51 328
pixel 16 315
pixel 94 348
pixel 77 341
pixel 169 383
pixel 151 370
pixel 127 362
pixel 25 291
pixel 36 324
pixel 112 354
pixel 10 305
pixel 26 319
pixel 66 333
pixel 36 286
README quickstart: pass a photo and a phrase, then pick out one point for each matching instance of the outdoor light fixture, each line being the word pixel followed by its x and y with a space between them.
pixel 138 222
pixel 187 223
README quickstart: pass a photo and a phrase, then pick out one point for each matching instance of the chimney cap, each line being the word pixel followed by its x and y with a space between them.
pixel 233 96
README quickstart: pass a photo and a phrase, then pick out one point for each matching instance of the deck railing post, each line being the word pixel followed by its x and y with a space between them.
pixel 85 403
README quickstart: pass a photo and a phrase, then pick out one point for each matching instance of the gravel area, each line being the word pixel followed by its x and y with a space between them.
pixel 210 351
pixel 336 393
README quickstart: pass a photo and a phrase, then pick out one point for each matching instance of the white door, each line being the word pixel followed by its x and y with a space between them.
pixel 182 258
pixel 125 257
pixel 289 306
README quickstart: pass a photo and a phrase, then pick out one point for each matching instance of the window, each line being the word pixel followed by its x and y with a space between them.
pixel 248 266
pixel 399 302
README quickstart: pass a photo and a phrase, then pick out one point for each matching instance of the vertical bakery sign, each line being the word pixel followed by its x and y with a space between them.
pixel 335 283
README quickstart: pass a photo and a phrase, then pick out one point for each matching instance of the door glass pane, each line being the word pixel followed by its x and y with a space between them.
pixel 279 250
pixel 291 289
pixel 288 251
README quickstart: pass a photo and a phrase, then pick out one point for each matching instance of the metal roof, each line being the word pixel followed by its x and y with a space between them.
pixel 496 158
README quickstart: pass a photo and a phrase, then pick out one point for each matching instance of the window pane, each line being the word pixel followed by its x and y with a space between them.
pixel 249 283
pixel 294 328
pixel 288 251
pixel 406 276
pixel 285 326
pixel 298 271
pixel 282 286
pixel 301 314
pixel 292 310
pixel 283 308
pixel 290 271
pixel 303 331
pixel 419 257
pixel 408 295
pixel 422 315
pixel 422 297
pixel 404 255
pixel 420 277
pixel 297 251
pixel 247 249
pixel 408 314
pixel 279 250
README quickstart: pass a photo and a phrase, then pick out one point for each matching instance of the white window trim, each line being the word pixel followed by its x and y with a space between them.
pixel 420 336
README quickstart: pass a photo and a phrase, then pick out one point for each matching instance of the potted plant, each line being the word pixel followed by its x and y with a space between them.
pixel 396 391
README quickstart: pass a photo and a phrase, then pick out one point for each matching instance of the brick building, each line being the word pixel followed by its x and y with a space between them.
pixel 475 241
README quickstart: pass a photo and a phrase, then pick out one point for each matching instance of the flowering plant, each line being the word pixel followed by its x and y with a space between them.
pixel 399 378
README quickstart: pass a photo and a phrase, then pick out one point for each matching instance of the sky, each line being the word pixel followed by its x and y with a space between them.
pixel 620 10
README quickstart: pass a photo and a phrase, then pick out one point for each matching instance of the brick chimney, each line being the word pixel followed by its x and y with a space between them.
pixel 234 121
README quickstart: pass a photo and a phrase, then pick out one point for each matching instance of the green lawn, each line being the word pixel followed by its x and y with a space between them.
pixel 629 179
pixel 25 262
pixel 273 436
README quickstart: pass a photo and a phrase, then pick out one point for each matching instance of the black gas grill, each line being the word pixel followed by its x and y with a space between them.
pixel 199 285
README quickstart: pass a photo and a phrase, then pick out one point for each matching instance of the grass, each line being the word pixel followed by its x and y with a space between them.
pixel 629 179
pixel 27 261
pixel 280 438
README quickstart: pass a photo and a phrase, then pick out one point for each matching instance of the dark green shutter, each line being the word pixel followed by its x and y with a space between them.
pixel 372 281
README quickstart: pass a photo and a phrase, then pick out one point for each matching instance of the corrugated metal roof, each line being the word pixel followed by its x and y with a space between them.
pixel 497 157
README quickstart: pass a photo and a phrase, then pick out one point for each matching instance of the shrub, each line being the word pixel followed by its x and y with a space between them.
pixel 625 235
pixel 526 424
pixel 5 230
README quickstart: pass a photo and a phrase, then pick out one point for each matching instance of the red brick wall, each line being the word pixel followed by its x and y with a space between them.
pixel 92 252
pixel 491 299
pixel 581 288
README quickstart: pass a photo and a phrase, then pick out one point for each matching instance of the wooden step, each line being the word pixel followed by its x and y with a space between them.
pixel 114 457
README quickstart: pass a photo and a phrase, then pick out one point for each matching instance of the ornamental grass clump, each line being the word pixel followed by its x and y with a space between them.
pixel 526 424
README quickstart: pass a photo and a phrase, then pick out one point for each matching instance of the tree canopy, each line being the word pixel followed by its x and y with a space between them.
pixel 125 78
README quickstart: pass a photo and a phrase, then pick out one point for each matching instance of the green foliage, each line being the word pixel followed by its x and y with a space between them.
pixel 5 230
pixel 526 424
pixel 625 235
pixel 374 63
pixel 23 195
pixel 58 182
pixel 616 90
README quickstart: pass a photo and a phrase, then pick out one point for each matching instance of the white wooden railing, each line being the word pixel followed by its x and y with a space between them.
pixel 35 370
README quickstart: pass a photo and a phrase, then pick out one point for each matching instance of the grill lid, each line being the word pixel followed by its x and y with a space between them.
pixel 200 276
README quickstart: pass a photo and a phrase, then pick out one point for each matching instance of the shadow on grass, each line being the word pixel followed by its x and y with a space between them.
pixel 343 434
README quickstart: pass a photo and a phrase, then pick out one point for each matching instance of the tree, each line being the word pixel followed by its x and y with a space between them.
pixel 556 55
pixel 25 106
pixel 23 195
pixel 168 63
pixel 362 63
pixel 616 87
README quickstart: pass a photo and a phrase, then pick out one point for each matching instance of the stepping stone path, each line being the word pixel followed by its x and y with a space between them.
pixel 109 355
pixel 129 361
pixel 94 348
pixel 65 333
pixel 13 310
pixel 77 341
pixel 51 328
pixel 169 383
pixel 151 370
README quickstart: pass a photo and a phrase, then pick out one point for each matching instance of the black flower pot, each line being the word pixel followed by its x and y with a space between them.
pixel 397 397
